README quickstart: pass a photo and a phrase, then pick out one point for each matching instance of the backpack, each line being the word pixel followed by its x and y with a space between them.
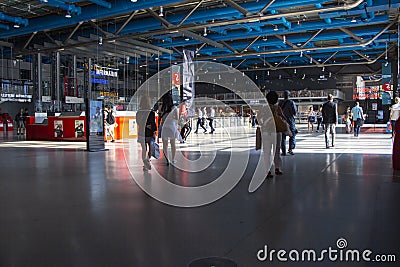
pixel 110 118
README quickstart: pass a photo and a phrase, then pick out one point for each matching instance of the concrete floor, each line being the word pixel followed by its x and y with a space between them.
pixel 63 206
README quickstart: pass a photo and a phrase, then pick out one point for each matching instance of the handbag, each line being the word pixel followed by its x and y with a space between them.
pixel 258 138
pixel 280 123
pixel 156 151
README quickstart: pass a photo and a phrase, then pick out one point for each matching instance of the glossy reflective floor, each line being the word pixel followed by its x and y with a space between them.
pixel 63 206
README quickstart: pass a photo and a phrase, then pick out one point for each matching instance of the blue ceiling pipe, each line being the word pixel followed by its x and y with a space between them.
pixel 15 20
pixel 327 20
pixel 5 27
pixel 60 4
pixel 88 13
pixel 97 2
pixel 304 28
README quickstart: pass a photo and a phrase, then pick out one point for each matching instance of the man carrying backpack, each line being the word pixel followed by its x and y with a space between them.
pixel 109 122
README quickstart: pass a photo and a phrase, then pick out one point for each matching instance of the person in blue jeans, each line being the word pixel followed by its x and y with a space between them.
pixel 146 121
pixel 289 110
pixel 330 118
pixel 358 115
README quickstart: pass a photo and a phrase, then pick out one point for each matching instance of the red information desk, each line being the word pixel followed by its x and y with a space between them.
pixel 62 128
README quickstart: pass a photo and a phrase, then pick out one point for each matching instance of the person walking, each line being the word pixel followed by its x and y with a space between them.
pixel 319 119
pixel 358 118
pixel 311 118
pixel 347 119
pixel 169 128
pixel 289 110
pixel 330 117
pixel 146 121
pixel 200 121
pixel 20 121
pixel 267 132
pixel 394 113
pixel 211 120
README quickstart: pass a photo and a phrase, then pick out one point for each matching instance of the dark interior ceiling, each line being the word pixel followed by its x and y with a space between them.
pixel 248 35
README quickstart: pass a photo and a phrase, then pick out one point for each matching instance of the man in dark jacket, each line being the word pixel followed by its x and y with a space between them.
pixel 329 117
pixel 289 109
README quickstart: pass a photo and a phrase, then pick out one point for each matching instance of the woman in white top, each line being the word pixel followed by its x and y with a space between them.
pixel 169 128
pixel 311 119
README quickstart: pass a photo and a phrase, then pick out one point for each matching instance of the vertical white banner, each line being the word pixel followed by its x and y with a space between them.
pixel 188 81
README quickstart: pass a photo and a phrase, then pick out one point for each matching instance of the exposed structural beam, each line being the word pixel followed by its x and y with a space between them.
pixel 326 65
pixel 29 40
pixel 112 48
pixel 201 47
pixel 15 20
pixel 105 33
pixel 240 63
pixel 72 33
pixel 330 57
pixel 237 7
pixel 229 47
pixel 177 51
pixel 185 32
pixel 134 47
pixel 97 2
pixel 60 4
pixel 202 39
pixel 51 38
pixel 266 63
pixel 348 32
pixel 251 43
pixel 297 50
pixel 190 13
pixel 362 55
pixel 312 11
pixel 6 44
pixel 283 60
pixel 101 3
pixel 126 22
pixel 312 37
pixel 149 46
pixel 261 12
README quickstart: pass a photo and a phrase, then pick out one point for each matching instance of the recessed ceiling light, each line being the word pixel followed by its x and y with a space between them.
pixel 353 20
pixel 68 15
pixel 16 26
pixel 276 28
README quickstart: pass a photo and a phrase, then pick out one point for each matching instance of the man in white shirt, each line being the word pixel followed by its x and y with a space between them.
pixel 211 119
pixel 200 121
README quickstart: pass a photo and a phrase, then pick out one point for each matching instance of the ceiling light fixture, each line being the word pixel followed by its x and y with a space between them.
pixel 100 40
pixel 205 32
pixel 276 28
pixel 310 59
pixel 295 71
pixel 187 39
pixel 353 20
pixel 16 26
pixel 301 53
pixel 68 15
pixel 284 39
pixel 133 1
pixel 161 11
pixel 265 38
